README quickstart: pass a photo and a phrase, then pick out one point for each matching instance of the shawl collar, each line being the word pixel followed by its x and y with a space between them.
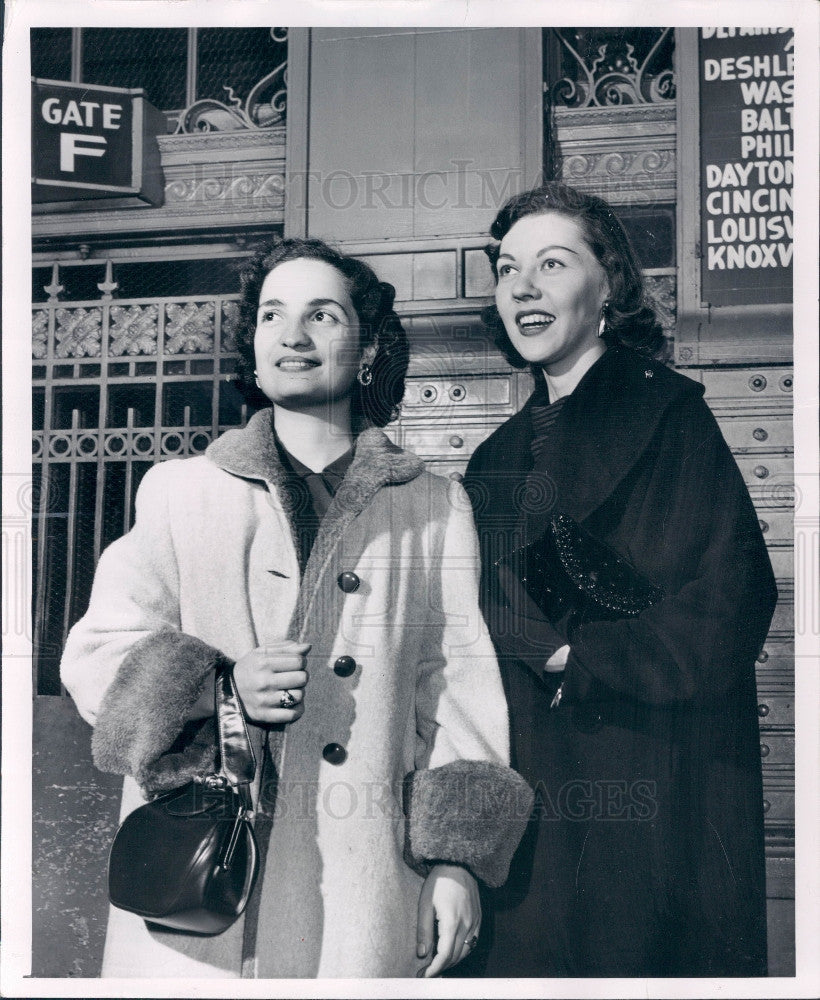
pixel 603 429
pixel 251 452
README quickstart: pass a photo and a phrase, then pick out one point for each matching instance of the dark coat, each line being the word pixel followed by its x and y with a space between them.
pixel 645 853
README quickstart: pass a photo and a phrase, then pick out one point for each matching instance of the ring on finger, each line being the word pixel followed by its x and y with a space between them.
pixel 287 699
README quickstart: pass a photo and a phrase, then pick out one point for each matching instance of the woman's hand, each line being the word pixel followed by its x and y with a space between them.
pixel 265 674
pixel 449 918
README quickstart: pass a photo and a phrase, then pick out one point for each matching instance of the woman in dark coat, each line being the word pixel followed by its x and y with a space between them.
pixel 628 591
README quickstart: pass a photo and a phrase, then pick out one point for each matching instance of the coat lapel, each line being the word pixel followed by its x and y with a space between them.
pixel 603 429
pixel 251 452
pixel 377 463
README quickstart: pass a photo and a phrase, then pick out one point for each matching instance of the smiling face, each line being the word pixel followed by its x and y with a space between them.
pixel 550 291
pixel 307 341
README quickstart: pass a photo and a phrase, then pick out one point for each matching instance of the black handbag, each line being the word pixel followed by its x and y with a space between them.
pixel 572 578
pixel 188 860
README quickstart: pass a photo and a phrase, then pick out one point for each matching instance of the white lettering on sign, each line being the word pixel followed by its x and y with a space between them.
pixel 737 174
pixel 747 229
pixel 728 258
pixel 111 115
pixel 752 120
pixel 51 112
pixel 761 92
pixel 744 67
pixel 767 145
pixel 748 201
pixel 741 32
pixel 762 200
pixel 55 114
pixel 71 145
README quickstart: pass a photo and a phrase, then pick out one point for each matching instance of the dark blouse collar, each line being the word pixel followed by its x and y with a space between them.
pixel 335 471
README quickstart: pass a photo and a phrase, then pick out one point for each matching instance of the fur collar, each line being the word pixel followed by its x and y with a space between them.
pixel 251 452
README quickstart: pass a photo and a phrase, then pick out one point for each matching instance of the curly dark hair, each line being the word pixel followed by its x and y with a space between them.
pixel 630 317
pixel 376 404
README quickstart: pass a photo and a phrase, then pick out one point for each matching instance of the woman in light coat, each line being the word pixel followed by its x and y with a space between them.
pixel 340 580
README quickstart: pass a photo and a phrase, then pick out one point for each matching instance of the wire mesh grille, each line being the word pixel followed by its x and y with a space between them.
pixel 152 58
pixel 51 53
pixel 235 57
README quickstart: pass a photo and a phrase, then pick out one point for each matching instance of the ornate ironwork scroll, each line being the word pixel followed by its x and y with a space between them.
pixel 606 68
pixel 264 107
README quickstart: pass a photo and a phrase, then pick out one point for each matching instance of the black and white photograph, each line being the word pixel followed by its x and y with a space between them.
pixel 411 570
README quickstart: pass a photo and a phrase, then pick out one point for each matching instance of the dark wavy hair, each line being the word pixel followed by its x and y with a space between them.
pixel 376 404
pixel 630 317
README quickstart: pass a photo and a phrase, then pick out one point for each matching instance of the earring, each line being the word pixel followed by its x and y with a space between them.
pixel 256 379
pixel 602 320
pixel 365 374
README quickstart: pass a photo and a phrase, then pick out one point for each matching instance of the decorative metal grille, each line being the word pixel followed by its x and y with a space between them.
pixel 266 101
pixel 606 67
pixel 119 384
pixel 205 79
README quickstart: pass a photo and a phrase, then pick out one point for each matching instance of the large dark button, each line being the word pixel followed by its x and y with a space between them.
pixel 344 666
pixel 348 581
pixel 335 753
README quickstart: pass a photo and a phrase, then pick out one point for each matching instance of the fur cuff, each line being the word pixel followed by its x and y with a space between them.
pixel 469 812
pixel 141 729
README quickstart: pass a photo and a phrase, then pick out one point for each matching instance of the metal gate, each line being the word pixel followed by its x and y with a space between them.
pixel 118 384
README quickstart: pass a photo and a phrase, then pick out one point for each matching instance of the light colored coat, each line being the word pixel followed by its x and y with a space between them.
pixel 210 570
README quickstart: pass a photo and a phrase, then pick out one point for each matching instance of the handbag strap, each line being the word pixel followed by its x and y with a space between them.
pixel 236 756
